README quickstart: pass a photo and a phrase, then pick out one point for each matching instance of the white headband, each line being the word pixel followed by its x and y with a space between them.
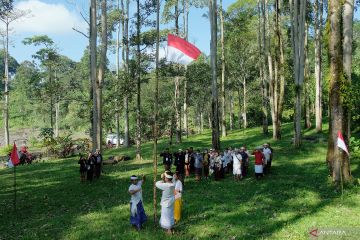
pixel 133 178
pixel 168 176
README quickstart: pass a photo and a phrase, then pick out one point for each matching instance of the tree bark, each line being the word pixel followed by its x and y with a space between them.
pixel 318 8
pixel 307 102
pixel 101 72
pixel 298 34
pixel 117 113
pixel 6 86
pixel 186 21
pixel 126 67
pixel 244 104
pixel 338 161
pixel 93 49
pixel 177 109
pixel 348 17
pixel 138 83
pixel 214 89
pixel 263 59
pixel 223 99
pixel 231 111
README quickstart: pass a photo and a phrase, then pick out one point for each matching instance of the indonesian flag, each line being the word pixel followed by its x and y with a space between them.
pixel 14 156
pixel 341 143
pixel 181 51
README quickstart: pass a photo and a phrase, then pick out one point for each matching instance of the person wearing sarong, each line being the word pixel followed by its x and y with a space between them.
pixel 167 201
pixel 217 166
pixel 137 212
pixel 244 161
pixel 206 163
pixel 98 163
pixel 259 162
pixel 268 157
pixel 178 194
pixel 90 165
pixel 237 164
pixel 187 163
pixel 167 159
pixel 83 168
pixel 180 162
pixel 198 165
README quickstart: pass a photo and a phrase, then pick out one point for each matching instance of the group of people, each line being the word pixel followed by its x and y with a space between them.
pixel 202 164
pixel 90 167
pixel 171 203
pixel 208 163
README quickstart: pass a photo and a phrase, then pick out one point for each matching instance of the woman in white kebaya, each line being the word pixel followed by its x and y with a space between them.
pixel 137 212
pixel 236 164
pixel 167 186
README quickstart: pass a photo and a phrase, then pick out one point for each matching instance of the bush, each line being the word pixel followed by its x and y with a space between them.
pixel 5 150
pixel 61 146
pixel 355 147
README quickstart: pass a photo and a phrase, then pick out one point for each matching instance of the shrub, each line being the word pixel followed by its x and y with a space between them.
pixel 5 150
pixel 355 147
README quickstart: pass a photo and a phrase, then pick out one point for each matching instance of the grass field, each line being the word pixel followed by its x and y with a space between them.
pixel 294 199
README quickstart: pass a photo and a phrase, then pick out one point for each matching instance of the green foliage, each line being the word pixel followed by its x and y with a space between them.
pixel 62 147
pixel 355 147
pixel 5 150
pixel 47 136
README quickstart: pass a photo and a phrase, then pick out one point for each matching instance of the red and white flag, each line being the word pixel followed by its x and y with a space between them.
pixel 14 156
pixel 341 143
pixel 181 51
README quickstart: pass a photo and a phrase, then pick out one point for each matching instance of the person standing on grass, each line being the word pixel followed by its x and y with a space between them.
pixel 98 163
pixel 167 159
pixel 187 163
pixel 90 164
pixel 244 161
pixel 206 163
pixel 178 194
pixel 198 165
pixel 267 151
pixel 167 201
pixel 237 158
pixel 259 162
pixel 180 162
pixel 137 212
pixel 83 168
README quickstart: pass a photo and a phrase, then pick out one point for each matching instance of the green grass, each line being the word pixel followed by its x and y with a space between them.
pixel 295 198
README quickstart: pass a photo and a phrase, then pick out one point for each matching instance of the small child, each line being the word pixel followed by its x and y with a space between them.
pixel 259 161
pixel 83 168
pixel 137 212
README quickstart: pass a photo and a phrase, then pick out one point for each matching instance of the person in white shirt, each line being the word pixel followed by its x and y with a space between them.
pixel 267 155
pixel 178 196
pixel 167 221
pixel 236 164
pixel 137 212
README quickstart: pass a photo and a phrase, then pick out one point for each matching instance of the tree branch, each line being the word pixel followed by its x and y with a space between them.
pixel 78 31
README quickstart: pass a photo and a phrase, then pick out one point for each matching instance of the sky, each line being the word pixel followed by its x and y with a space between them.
pixel 56 18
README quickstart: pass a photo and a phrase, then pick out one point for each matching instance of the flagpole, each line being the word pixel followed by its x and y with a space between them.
pixel 156 104
pixel 14 187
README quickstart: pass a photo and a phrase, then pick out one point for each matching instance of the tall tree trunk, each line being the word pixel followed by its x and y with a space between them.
pixel 263 59
pixel 6 87
pixel 240 111
pixel 214 89
pixel 201 121
pixel 298 33
pixel 101 72
pixel 138 83
pixel 244 104
pixel 231 111
pixel 307 102
pixel 186 21
pixel 177 109
pixel 93 43
pixel 318 8
pixel 117 113
pixel 223 99
pixel 338 160
pixel 348 17
pixel 125 49
pixel 279 81
pixel 156 107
